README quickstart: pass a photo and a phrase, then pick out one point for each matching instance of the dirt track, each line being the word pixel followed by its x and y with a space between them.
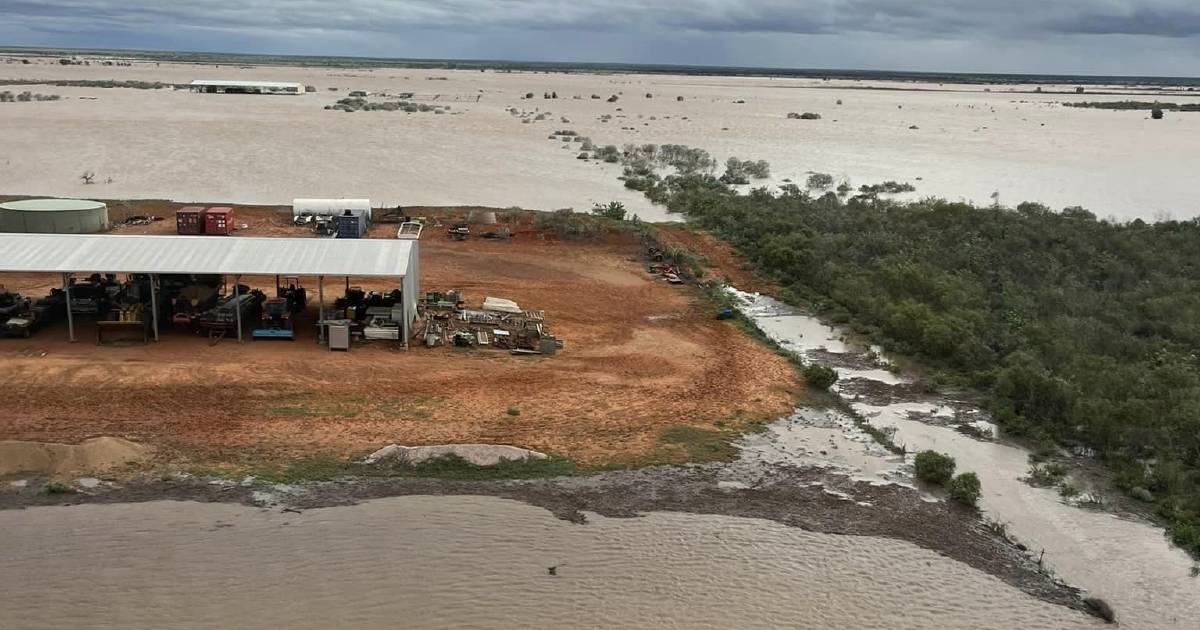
pixel 641 356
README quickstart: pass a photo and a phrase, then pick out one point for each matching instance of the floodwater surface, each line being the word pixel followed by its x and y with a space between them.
pixel 476 562
pixel 1126 562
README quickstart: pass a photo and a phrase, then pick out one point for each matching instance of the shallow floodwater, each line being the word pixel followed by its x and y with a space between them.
pixel 1128 563
pixel 459 562
pixel 963 143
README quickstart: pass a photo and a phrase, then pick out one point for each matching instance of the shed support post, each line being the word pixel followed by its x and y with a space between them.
pixel 320 309
pixel 237 303
pixel 154 303
pixel 405 301
pixel 70 316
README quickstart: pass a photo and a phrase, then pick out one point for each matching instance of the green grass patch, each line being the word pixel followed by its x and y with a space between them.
pixel 57 487
pixel 329 467
pixel 700 445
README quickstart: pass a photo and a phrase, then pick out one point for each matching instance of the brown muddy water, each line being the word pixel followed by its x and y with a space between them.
pixel 476 562
pixel 1126 561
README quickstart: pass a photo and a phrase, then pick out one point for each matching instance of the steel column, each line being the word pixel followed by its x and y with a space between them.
pixel 237 303
pixel 404 308
pixel 320 309
pixel 154 302
pixel 70 317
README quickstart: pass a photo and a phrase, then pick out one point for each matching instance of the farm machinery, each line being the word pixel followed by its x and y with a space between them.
pixel 277 313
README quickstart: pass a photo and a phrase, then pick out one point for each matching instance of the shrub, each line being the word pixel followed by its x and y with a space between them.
pixel 965 489
pixel 1156 113
pixel 805 115
pixel 820 181
pixel 740 171
pixel 612 210
pixel 820 376
pixel 57 487
pixel 934 467
pixel 1097 606
pixel 609 153
pixel 1047 475
pixel 513 411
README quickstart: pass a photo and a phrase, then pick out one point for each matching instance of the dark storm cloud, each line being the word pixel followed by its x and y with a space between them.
pixel 1170 18
pixel 1098 36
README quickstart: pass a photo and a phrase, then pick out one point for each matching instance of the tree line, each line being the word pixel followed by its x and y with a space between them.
pixel 1080 332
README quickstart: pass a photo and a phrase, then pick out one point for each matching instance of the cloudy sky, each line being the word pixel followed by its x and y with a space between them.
pixel 1146 37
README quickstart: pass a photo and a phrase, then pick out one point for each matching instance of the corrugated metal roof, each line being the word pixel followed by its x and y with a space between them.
pixel 263 84
pixel 62 253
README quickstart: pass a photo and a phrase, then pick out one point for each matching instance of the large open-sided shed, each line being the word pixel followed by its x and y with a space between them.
pixel 68 254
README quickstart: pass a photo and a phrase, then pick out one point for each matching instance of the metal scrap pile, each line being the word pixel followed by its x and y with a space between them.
pixel 657 266
pixel 499 323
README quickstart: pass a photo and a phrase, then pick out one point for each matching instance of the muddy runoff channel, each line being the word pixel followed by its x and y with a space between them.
pixel 1125 561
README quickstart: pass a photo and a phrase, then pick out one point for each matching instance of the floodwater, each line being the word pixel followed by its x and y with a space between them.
pixel 1128 563
pixel 967 142
pixel 475 562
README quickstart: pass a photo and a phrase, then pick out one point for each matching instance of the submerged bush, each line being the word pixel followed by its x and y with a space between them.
pixel 965 489
pixel 934 467
pixel 819 181
pixel 820 376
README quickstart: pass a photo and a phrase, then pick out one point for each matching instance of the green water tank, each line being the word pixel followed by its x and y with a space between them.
pixel 53 216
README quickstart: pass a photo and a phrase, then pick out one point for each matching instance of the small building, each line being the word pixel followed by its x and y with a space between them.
pixel 54 216
pixel 246 87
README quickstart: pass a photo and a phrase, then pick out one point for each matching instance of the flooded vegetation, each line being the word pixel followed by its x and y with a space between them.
pixel 1073 332
pixel 1125 561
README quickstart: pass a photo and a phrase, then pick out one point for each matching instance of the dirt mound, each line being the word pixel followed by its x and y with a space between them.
pixel 92 456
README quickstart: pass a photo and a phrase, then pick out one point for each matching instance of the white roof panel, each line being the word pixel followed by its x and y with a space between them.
pixel 263 84
pixel 232 255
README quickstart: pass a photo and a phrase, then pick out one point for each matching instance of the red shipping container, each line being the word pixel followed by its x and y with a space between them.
pixel 189 220
pixel 218 221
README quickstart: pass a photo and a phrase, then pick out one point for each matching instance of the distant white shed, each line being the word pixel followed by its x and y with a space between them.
pixel 247 87
pixel 336 207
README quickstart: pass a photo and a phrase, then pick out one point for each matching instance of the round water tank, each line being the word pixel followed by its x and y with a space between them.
pixel 53 216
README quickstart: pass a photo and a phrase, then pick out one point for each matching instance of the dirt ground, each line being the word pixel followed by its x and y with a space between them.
pixel 640 357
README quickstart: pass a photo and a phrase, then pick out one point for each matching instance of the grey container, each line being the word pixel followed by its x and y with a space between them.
pixel 339 337
pixel 54 216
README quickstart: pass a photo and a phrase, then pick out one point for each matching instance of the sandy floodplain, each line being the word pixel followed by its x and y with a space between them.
pixel 968 142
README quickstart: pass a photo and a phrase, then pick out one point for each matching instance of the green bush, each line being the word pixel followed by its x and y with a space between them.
pixel 614 210
pixel 934 467
pixel 820 377
pixel 965 488
pixel 820 181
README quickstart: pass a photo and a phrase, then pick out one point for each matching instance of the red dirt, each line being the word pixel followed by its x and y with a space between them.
pixel 640 356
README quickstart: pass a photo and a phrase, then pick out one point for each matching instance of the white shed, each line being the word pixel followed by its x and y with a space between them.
pixel 334 207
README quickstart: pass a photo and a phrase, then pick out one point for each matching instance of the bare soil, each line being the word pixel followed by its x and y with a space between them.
pixel 640 357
